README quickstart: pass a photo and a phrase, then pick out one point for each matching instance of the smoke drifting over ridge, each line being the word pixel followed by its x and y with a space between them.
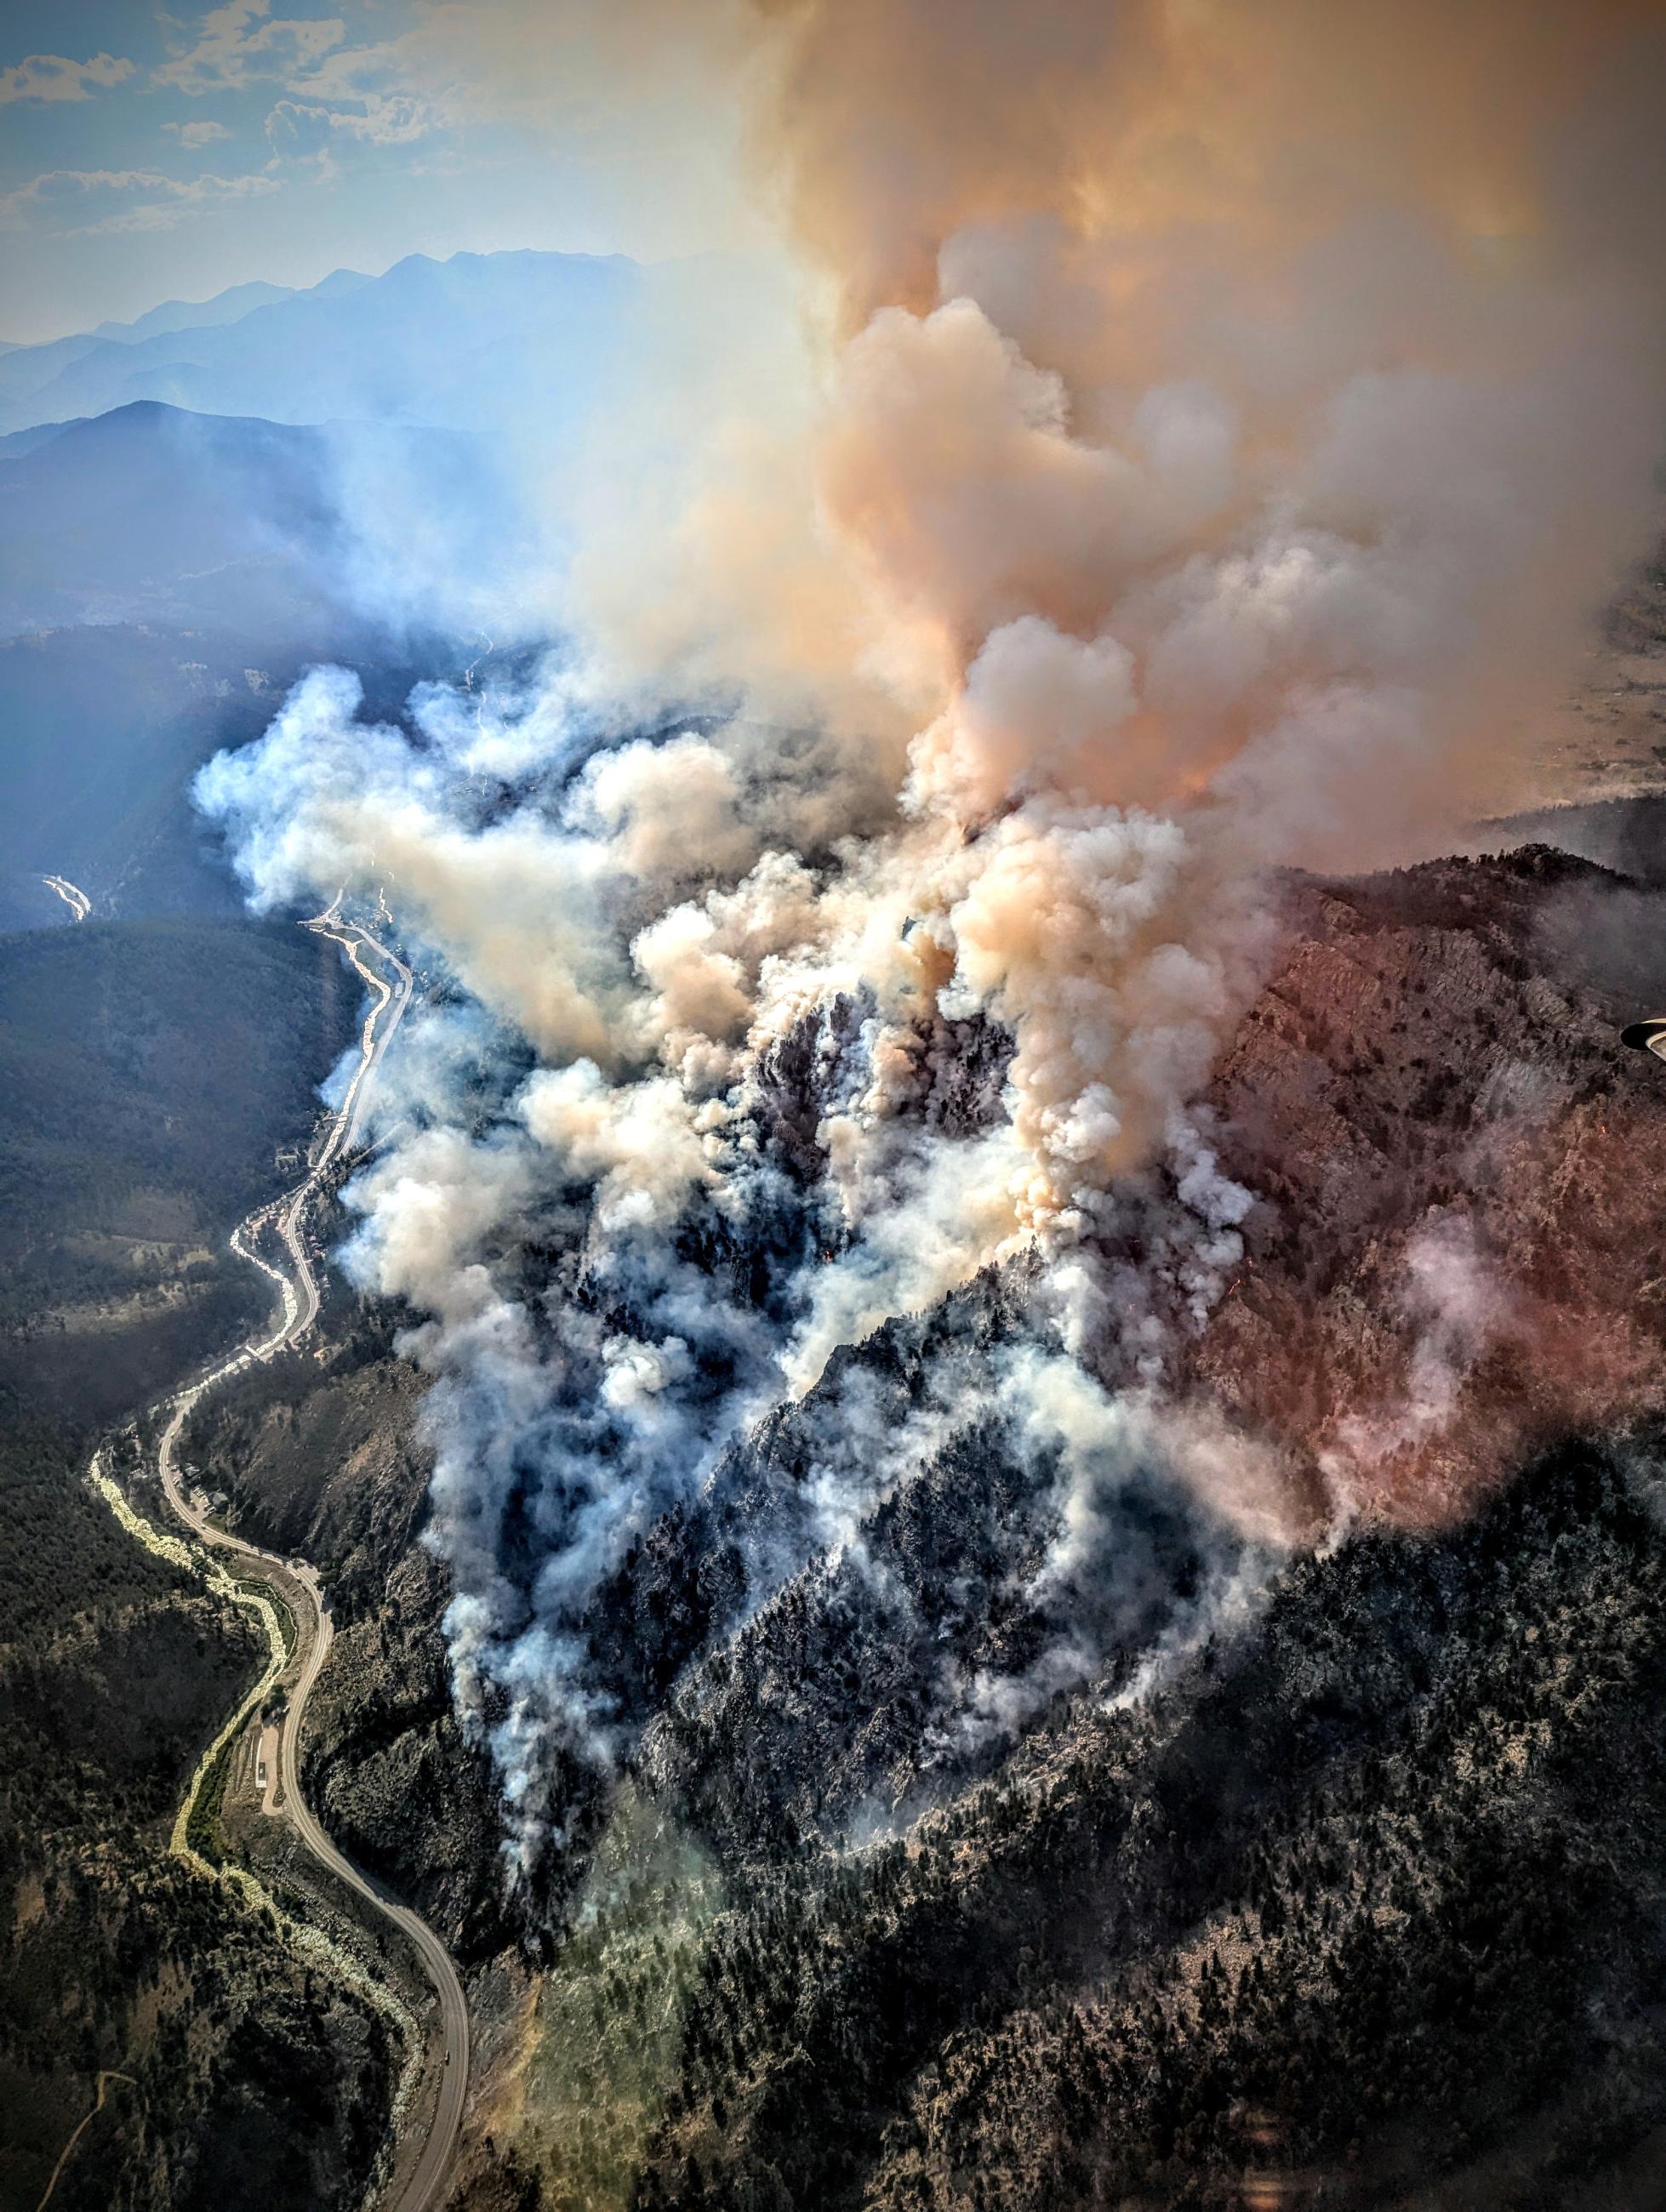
pixel 1228 420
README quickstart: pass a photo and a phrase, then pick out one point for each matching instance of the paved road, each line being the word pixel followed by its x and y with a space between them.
pixel 427 2182
pixel 389 982
pixel 79 904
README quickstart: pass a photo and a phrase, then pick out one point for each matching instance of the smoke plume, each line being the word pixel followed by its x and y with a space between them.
pixel 1223 421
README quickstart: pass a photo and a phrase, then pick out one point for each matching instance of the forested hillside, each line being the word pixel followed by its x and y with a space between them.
pixel 115 1670
pixel 1370 1894
pixel 149 1073
pixel 149 1076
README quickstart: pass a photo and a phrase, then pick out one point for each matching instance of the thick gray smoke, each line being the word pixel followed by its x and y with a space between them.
pixel 860 904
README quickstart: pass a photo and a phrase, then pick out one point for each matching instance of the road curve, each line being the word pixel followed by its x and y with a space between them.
pixel 79 904
pixel 298 1293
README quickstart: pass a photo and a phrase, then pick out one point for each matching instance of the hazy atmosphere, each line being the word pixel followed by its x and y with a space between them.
pixel 831 988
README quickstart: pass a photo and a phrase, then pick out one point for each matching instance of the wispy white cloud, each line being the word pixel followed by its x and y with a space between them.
pixel 53 76
pixel 303 127
pixel 80 203
pixel 196 134
pixel 337 96
pixel 242 44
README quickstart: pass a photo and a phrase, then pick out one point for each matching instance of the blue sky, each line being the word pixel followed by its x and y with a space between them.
pixel 147 155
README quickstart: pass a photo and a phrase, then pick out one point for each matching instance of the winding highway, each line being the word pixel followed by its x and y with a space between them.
pixel 79 904
pixel 389 982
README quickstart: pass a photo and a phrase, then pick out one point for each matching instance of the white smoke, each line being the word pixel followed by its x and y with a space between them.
pixel 1461 1312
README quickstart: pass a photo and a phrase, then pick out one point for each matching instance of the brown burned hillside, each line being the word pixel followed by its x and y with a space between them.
pixel 1457 1256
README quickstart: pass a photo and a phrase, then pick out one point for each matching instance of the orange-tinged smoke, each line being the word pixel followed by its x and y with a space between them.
pixel 1076 211
pixel 892 124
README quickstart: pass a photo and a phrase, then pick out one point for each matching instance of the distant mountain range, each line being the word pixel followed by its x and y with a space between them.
pixel 224 307
pixel 152 513
pixel 149 514
pixel 201 502
pixel 376 470
pixel 164 578
pixel 436 343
